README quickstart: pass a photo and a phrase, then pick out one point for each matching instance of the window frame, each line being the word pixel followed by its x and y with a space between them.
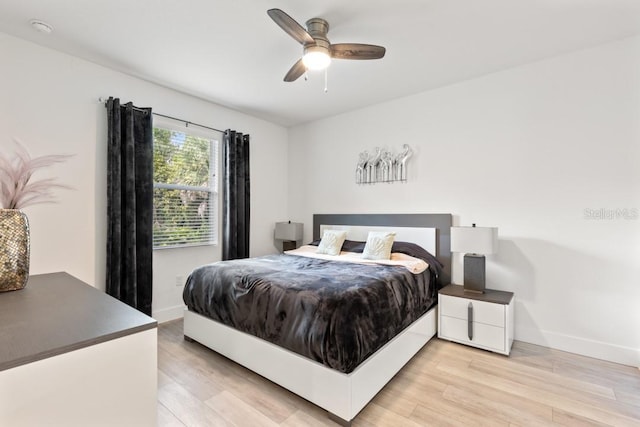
pixel 215 139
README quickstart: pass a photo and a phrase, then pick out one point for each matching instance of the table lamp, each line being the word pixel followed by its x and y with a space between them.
pixel 475 243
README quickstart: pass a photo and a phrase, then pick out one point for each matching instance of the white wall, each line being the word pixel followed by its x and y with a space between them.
pixel 49 100
pixel 527 150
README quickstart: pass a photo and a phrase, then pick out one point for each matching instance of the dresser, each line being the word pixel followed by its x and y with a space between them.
pixel 70 355
pixel 480 320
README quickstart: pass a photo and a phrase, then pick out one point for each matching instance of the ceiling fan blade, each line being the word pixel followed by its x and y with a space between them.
pixel 296 71
pixel 356 51
pixel 290 26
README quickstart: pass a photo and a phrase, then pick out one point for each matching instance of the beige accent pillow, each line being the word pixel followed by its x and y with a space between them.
pixel 378 245
pixel 331 242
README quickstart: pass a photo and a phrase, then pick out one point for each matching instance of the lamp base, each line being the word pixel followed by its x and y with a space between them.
pixel 474 273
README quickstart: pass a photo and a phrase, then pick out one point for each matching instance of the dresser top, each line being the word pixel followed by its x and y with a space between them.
pixel 57 313
pixel 489 295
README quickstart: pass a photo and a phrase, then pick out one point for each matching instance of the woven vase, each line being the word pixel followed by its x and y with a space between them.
pixel 14 250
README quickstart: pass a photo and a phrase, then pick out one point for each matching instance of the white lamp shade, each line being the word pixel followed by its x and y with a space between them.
pixel 474 240
pixel 316 58
pixel 288 231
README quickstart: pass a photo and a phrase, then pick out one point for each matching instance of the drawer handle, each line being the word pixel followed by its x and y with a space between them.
pixel 470 321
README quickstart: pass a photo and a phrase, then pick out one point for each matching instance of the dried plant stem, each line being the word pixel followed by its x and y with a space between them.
pixel 17 189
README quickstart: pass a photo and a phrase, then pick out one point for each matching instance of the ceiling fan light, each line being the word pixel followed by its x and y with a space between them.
pixel 316 59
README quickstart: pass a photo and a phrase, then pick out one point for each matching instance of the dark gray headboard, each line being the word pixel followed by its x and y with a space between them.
pixel 441 222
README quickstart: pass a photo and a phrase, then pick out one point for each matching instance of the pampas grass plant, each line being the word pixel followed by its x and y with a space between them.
pixel 17 188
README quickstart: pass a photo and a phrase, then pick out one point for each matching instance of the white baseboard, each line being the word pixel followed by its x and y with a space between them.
pixel 586 347
pixel 168 314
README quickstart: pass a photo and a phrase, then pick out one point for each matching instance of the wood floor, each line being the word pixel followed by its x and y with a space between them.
pixel 444 384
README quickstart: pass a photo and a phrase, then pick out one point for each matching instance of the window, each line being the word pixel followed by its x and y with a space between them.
pixel 185 189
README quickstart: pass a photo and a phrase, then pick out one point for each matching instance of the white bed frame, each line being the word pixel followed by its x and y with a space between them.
pixel 343 395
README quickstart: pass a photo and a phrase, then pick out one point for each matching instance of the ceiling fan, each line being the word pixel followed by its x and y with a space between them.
pixel 318 51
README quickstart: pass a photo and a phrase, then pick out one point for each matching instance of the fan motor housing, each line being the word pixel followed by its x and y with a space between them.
pixel 317 27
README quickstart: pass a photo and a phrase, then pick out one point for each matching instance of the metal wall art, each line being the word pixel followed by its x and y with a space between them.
pixel 383 166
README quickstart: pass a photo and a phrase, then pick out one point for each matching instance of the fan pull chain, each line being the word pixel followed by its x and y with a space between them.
pixel 326 86
pixel 306 76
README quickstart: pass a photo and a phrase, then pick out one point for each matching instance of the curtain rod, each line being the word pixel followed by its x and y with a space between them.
pixel 186 122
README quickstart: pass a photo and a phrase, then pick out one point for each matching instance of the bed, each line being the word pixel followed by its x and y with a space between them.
pixel 334 370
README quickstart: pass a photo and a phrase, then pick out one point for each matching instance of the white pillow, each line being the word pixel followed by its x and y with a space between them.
pixel 378 245
pixel 331 242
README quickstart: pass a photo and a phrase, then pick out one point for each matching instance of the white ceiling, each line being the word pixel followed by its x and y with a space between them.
pixel 230 52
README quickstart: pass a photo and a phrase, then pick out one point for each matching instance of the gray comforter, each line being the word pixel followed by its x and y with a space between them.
pixel 334 313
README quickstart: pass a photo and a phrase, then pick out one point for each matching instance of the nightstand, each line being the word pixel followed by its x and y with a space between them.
pixel 480 320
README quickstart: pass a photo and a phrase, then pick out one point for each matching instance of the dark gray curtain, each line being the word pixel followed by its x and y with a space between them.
pixel 235 197
pixel 130 204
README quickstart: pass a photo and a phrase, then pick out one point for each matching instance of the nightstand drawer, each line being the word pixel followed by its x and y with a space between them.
pixel 483 312
pixel 484 336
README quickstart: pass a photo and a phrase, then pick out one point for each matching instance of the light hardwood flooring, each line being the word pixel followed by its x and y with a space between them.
pixel 445 384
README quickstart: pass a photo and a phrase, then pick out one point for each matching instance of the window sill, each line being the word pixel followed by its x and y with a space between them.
pixel 191 245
